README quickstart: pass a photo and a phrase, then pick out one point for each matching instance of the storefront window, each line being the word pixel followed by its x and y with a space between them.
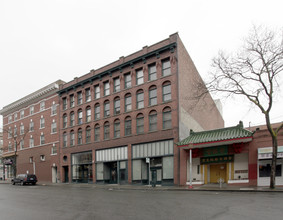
pixel 82 167
pixel 265 170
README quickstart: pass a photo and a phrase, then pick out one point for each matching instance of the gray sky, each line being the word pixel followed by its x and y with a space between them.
pixel 42 41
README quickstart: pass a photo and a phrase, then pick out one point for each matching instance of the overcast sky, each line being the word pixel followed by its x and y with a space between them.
pixel 43 41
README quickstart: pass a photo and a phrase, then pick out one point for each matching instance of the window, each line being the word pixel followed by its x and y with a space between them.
pixel 31 110
pixel 117 84
pixel 64 100
pixel 97 92
pixel 153 121
pixel 128 126
pixel 54 109
pixel 80 136
pixel 31 125
pixel 166 67
pixel 15 116
pixel 80 98
pixel 15 131
pixel 65 120
pixel 166 91
pixel 117 128
pixel 72 101
pixel 42 139
pixel 106 87
pixel 265 170
pixel 140 99
pixel 117 105
pixel 21 144
pixel 9 147
pixel 9 132
pixel 42 157
pixel 72 138
pixel 128 80
pixel 152 72
pixel 88 114
pixel 166 118
pixel 152 95
pixel 65 139
pixel 42 122
pixel 106 108
pixel 80 116
pixel 106 131
pixel 128 102
pixel 22 114
pixel 87 95
pixel 31 142
pixel 97 111
pixel 96 132
pixel 54 150
pixel 53 126
pixel 88 135
pixel 10 119
pixel 42 106
pixel 31 160
pixel 72 119
pixel 22 129
pixel 139 77
pixel 140 124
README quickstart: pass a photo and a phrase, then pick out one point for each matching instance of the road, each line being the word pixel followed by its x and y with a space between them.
pixel 89 202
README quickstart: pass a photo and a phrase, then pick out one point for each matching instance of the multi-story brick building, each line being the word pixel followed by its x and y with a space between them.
pixel 30 134
pixel 119 123
pixel 1 152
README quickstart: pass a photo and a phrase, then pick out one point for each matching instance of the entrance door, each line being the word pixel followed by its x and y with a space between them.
pixel 113 173
pixel 217 171
pixel 66 174
pixel 54 174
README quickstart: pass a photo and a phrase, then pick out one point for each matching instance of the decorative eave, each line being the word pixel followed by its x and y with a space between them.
pixel 218 137
pixel 53 87
pixel 119 68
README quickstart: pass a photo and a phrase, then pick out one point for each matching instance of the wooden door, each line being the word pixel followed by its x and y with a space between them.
pixel 217 171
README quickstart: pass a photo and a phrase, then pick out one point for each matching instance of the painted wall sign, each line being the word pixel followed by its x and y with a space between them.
pixel 217 159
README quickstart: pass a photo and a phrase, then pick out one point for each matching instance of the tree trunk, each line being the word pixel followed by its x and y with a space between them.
pixel 274 162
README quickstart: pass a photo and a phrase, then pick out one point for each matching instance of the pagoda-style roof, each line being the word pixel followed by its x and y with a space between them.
pixel 217 137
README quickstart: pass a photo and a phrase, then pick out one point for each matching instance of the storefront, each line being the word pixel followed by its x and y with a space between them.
pixel 82 167
pixel 153 160
pixel 112 165
pixel 264 166
pixel 8 168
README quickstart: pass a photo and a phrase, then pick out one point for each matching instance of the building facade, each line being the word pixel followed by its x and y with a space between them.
pixel 31 134
pixel 1 159
pixel 120 123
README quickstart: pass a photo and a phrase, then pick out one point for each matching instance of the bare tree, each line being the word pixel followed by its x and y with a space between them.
pixel 253 73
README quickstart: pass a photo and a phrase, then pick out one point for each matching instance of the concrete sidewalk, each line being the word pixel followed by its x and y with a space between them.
pixel 208 187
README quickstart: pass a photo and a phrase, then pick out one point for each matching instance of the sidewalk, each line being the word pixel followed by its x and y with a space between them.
pixel 208 187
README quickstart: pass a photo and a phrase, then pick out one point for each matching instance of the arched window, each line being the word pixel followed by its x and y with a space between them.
pixel 140 123
pixel 65 120
pixel 117 106
pixel 72 138
pixel 128 102
pixel 117 128
pixel 72 118
pixel 152 121
pixel 166 118
pixel 97 111
pixel 65 138
pixel 88 134
pixel 88 114
pixel 166 91
pixel 97 132
pixel 140 99
pixel 128 126
pixel 80 136
pixel 152 95
pixel 80 116
pixel 106 130
pixel 106 108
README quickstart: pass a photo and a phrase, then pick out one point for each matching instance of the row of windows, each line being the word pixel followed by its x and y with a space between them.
pixel 152 75
pixel 152 121
pixel 31 111
pixel 152 93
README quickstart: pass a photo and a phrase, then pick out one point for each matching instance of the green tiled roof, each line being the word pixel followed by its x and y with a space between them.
pixel 223 134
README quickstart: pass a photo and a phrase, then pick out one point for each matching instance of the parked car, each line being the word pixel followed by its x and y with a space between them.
pixel 24 179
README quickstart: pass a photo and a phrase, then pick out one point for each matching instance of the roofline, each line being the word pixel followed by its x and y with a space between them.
pixel 212 143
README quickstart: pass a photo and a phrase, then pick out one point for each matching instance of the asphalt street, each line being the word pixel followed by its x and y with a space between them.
pixel 90 202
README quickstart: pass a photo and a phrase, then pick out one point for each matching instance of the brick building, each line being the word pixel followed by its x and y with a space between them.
pixel 30 134
pixel 117 120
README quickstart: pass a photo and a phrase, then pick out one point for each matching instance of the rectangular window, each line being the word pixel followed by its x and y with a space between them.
pixel 42 122
pixel 64 100
pixel 22 129
pixel 31 142
pixel 139 78
pixel 54 109
pixel 128 80
pixel 15 116
pixel 166 67
pixel 31 126
pixel 97 92
pixel 21 144
pixel 80 98
pixel 22 114
pixel 9 119
pixel 31 110
pixel 54 127
pixel 42 106
pixel 42 139
pixel 31 160
pixel 152 72
pixel 72 101
pixel 54 149
pixel 87 95
pixel 117 84
pixel 106 86
pixel 265 170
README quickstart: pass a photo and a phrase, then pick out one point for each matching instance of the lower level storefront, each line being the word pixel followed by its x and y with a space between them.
pixel 81 168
